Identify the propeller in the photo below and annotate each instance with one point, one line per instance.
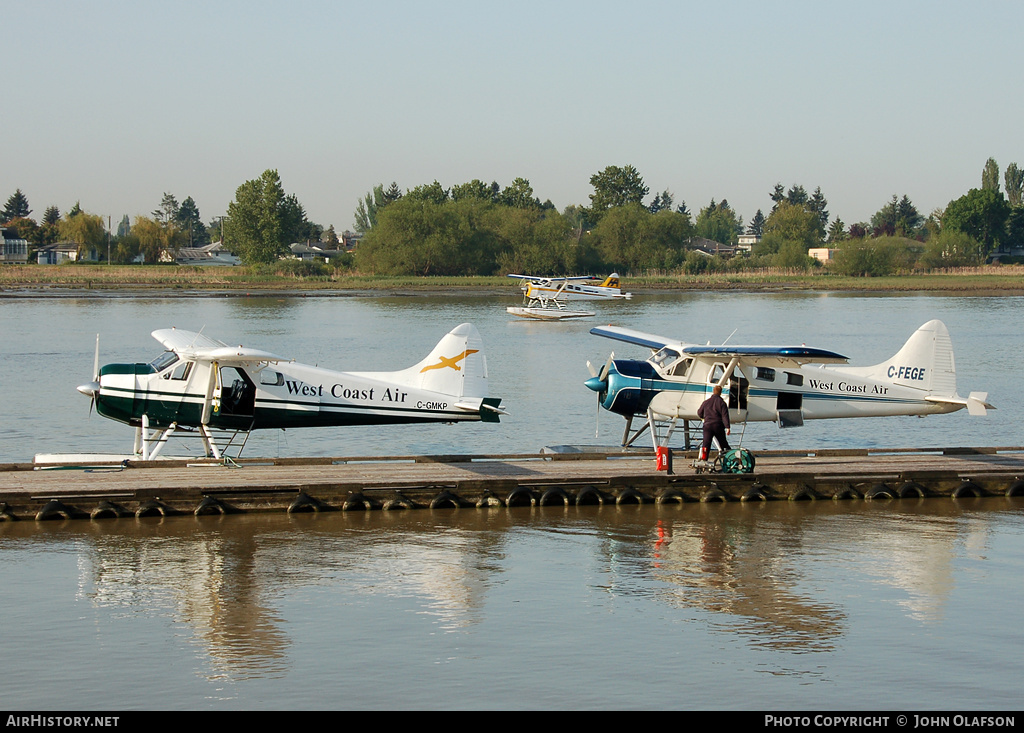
(92, 389)
(599, 383)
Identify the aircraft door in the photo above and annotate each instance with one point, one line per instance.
(739, 387)
(234, 399)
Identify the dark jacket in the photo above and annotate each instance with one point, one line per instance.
(714, 411)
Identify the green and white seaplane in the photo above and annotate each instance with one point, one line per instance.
(205, 387)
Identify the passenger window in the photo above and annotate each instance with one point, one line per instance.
(274, 379)
(716, 374)
(182, 371)
(682, 367)
(796, 380)
(765, 374)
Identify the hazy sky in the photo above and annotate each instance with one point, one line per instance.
(114, 103)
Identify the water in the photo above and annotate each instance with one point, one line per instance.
(900, 605)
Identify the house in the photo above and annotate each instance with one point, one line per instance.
(822, 254)
(746, 242)
(64, 252)
(13, 249)
(711, 247)
(208, 255)
(314, 251)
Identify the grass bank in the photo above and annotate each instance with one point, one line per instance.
(34, 279)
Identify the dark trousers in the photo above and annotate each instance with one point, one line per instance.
(716, 431)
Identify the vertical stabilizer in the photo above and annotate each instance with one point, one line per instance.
(925, 362)
(456, 366)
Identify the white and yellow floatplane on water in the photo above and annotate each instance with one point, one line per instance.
(541, 307)
(581, 287)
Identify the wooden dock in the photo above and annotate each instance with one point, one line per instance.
(169, 487)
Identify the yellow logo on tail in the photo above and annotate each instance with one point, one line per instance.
(450, 361)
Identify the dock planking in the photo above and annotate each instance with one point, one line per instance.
(175, 487)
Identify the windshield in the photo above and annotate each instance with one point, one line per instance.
(163, 361)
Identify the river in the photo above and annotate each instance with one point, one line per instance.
(899, 605)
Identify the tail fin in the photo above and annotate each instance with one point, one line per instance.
(456, 367)
(925, 362)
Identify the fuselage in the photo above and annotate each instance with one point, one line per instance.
(173, 390)
(674, 386)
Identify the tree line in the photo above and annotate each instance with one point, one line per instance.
(479, 228)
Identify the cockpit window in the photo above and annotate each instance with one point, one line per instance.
(163, 361)
(665, 356)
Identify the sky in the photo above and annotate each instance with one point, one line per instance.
(113, 104)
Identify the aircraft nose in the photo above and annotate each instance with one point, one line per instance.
(90, 389)
(596, 384)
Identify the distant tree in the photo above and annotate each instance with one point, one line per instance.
(952, 248)
(1015, 228)
(990, 176)
(124, 228)
(519, 195)
(187, 220)
(330, 237)
(819, 205)
(858, 230)
(167, 212)
(26, 228)
(433, 193)
(85, 230)
(615, 186)
(391, 195)
(630, 238)
(297, 226)
(718, 222)
(1014, 179)
(756, 226)
(797, 196)
(662, 201)
(150, 238)
(375, 200)
(981, 214)
(873, 257)
(789, 223)
(837, 231)
(256, 219)
(899, 217)
(51, 215)
(16, 207)
(476, 189)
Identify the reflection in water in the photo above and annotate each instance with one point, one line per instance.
(776, 576)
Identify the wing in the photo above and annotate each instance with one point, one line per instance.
(538, 278)
(197, 346)
(634, 337)
(774, 355)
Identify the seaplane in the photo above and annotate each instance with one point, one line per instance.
(783, 384)
(205, 387)
(578, 287)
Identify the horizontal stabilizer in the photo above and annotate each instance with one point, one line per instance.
(977, 403)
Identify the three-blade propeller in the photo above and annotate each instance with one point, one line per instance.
(92, 389)
(599, 383)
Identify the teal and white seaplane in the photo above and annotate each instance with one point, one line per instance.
(782, 384)
(202, 386)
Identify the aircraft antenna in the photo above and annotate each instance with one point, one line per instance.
(730, 336)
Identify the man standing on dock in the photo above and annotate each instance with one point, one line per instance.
(715, 414)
